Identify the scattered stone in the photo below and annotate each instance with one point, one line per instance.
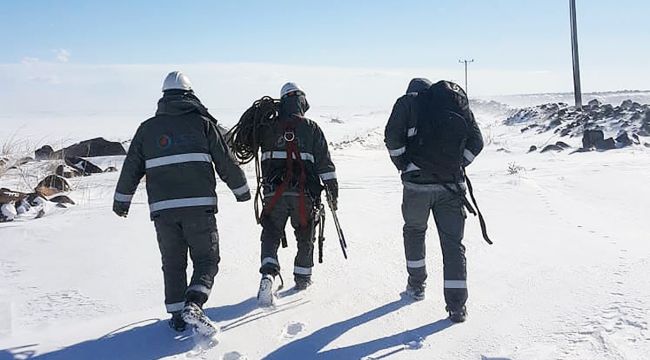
(532, 148)
(607, 144)
(562, 144)
(627, 104)
(84, 166)
(44, 153)
(91, 148)
(591, 137)
(52, 184)
(594, 103)
(554, 123)
(551, 147)
(62, 199)
(580, 150)
(623, 140)
(8, 196)
(35, 199)
(67, 171)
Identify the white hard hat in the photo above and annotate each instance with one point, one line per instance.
(177, 80)
(289, 88)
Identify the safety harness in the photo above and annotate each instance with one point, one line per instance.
(293, 154)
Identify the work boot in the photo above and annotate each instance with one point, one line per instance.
(176, 322)
(415, 292)
(302, 282)
(193, 315)
(265, 296)
(457, 315)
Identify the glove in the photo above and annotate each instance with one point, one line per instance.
(333, 187)
(243, 197)
(121, 209)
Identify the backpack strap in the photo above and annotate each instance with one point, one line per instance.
(480, 216)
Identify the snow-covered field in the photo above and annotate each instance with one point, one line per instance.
(565, 279)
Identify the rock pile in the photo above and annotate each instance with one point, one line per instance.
(625, 123)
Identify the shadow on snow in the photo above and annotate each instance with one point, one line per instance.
(309, 346)
(146, 339)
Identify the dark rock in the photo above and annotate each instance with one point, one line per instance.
(627, 105)
(562, 144)
(594, 103)
(67, 171)
(566, 131)
(84, 166)
(62, 199)
(581, 150)
(532, 148)
(646, 145)
(591, 137)
(35, 199)
(607, 144)
(92, 147)
(3, 161)
(51, 185)
(623, 140)
(111, 169)
(503, 150)
(636, 139)
(554, 123)
(551, 147)
(9, 196)
(44, 153)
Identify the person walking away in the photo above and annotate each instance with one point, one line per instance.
(431, 137)
(178, 150)
(295, 160)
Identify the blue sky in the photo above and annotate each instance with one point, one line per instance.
(235, 51)
(510, 34)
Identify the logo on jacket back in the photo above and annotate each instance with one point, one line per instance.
(165, 141)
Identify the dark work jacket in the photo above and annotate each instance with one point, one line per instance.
(178, 150)
(402, 126)
(311, 143)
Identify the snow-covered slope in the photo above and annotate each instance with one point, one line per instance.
(566, 278)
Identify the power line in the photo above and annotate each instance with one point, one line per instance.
(466, 62)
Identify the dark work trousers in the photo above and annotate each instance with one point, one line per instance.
(449, 214)
(179, 231)
(273, 224)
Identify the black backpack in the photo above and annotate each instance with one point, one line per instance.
(441, 131)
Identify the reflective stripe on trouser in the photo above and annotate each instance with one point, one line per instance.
(273, 224)
(195, 231)
(449, 215)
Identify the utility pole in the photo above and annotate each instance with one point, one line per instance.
(466, 62)
(574, 49)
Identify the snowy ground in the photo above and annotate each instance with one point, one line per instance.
(566, 278)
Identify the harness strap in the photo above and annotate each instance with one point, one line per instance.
(480, 216)
(292, 151)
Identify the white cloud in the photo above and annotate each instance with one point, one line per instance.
(62, 55)
(28, 60)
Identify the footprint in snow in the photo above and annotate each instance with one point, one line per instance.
(233, 355)
(292, 329)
